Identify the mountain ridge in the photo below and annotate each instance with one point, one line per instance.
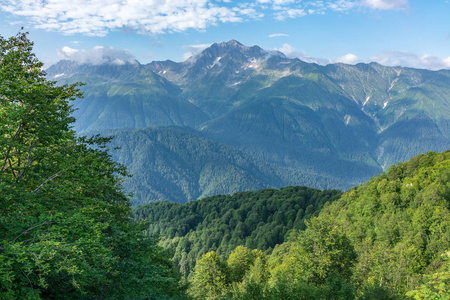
(335, 120)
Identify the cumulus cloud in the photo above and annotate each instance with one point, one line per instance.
(97, 56)
(102, 16)
(342, 5)
(194, 50)
(291, 52)
(408, 59)
(387, 58)
(277, 35)
(98, 18)
(386, 4)
(289, 13)
(277, 2)
(350, 59)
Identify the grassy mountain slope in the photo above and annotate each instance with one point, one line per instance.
(125, 96)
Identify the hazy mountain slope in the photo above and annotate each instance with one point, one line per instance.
(179, 164)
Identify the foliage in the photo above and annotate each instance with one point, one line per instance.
(436, 285)
(257, 220)
(323, 250)
(210, 277)
(398, 222)
(382, 240)
(65, 230)
(239, 262)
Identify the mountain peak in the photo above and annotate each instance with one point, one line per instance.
(233, 48)
(233, 43)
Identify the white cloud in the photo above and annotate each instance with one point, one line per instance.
(291, 52)
(97, 56)
(99, 17)
(289, 13)
(145, 16)
(386, 4)
(341, 5)
(387, 58)
(277, 2)
(194, 50)
(277, 35)
(350, 59)
(408, 59)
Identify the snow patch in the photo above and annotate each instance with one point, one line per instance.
(347, 119)
(59, 75)
(236, 83)
(216, 62)
(395, 80)
(385, 104)
(367, 100)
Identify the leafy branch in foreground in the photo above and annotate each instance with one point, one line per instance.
(65, 230)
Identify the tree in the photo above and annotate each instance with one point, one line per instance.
(239, 262)
(65, 230)
(324, 250)
(210, 277)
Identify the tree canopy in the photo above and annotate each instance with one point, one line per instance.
(65, 230)
(258, 220)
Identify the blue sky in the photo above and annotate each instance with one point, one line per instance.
(392, 32)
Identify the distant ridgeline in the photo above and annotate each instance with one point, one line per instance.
(385, 239)
(257, 119)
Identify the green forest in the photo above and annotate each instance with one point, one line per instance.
(68, 231)
(257, 220)
(386, 239)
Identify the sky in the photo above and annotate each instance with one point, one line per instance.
(408, 33)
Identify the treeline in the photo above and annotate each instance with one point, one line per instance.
(258, 220)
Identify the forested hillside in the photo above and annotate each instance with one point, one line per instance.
(386, 239)
(399, 222)
(258, 220)
(181, 164)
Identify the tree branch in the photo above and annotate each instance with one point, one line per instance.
(31, 284)
(58, 174)
(29, 229)
(9, 149)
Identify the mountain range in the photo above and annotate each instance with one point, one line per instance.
(236, 118)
